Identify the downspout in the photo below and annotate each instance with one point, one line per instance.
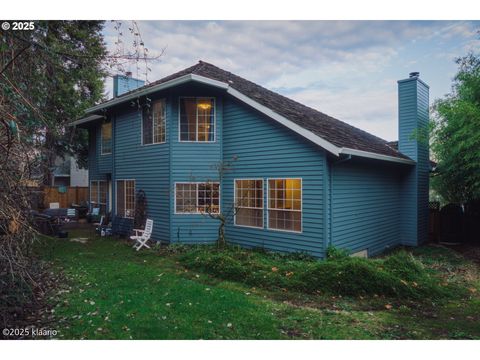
(114, 135)
(330, 200)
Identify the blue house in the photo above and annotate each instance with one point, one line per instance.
(292, 179)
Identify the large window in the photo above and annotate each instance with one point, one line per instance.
(106, 138)
(249, 203)
(285, 204)
(98, 194)
(126, 198)
(153, 123)
(197, 119)
(197, 198)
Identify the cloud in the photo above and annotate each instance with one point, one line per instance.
(347, 69)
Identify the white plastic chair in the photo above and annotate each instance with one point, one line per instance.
(98, 225)
(142, 236)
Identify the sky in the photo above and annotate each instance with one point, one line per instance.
(346, 69)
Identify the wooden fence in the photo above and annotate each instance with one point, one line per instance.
(70, 195)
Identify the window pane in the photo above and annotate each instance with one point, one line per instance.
(129, 198)
(186, 198)
(106, 138)
(188, 119)
(159, 121)
(94, 192)
(102, 192)
(249, 217)
(209, 198)
(121, 198)
(285, 204)
(147, 125)
(206, 123)
(249, 203)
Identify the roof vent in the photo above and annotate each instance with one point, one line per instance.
(414, 74)
(128, 74)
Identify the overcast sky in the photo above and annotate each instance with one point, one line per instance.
(346, 69)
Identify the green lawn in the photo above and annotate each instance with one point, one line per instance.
(111, 291)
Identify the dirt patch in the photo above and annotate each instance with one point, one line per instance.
(469, 251)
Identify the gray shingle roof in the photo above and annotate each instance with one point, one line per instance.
(332, 130)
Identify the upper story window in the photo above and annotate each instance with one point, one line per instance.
(154, 123)
(249, 202)
(197, 119)
(106, 138)
(285, 204)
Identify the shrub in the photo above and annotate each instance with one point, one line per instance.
(336, 253)
(398, 275)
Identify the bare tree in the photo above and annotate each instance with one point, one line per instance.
(222, 214)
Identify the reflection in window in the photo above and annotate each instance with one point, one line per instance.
(106, 138)
(197, 119)
(125, 198)
(249, 203)
(285, 204)
(195, 198)
(153, 123)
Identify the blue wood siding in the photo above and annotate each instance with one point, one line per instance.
(413, 119)
(148, 165)
(356, 204)
(193, 162)
(266, 149)
(95, 171)
(99, 165)
(366, 210)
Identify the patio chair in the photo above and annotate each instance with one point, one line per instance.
(71, 214)
(141, 237)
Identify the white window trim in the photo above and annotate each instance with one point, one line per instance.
(125, 196)
(301, 205)
(244, 207)
(101, 141)
(196, 204)
(97, 202)
(196, 126)
(165, 117)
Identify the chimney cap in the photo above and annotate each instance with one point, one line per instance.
(414, 74)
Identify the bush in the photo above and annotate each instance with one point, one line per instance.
(398, 275)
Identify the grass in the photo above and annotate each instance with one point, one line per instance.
(113, 292)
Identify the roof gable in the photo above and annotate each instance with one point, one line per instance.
(330, 133)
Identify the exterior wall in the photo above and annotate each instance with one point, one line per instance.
(265, 149)
(193, 162)
(366, 212)
(98, 165)
(413, 124)
(355, 204)
(148, 165)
